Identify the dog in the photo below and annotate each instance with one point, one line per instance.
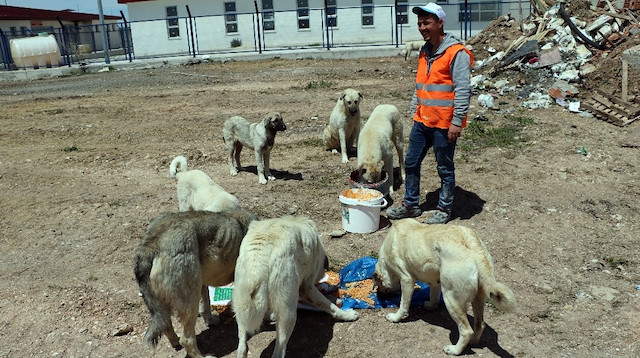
(382, 131)
(410, 47)
(344, 124)
(451, 259)
(197, 191)
(280, 260)
(238, 132)
(180, 255)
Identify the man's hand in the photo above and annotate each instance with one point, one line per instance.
(454, 132)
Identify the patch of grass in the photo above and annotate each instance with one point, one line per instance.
(480, 135)
(313, 142)
(115, 203)
(236, 43)
(374, 254)
(73, 148)
(318, 84)
(402, 96)
(327, 181)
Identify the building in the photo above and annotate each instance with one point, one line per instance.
(81, 28)
(161, 27)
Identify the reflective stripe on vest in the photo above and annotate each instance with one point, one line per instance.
(434, 88)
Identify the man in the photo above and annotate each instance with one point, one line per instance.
(439, 107)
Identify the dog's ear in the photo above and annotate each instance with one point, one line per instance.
(343, 96)
(360, 95)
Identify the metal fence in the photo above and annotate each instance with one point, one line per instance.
(205, 33)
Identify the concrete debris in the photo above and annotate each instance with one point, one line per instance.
(563, 46)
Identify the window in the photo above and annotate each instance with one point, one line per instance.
(488, 11)
(268, 22)
(401, 12)
(332, 13)
(303, 14)
(173, 27)
(367, 12)
(230, 17)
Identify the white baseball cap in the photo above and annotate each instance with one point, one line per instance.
(431, 8)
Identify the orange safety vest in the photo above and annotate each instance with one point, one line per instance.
(434, 88)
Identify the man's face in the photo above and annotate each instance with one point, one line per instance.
(429, 26)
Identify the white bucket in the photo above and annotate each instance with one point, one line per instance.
(382, 186)
(361, 209)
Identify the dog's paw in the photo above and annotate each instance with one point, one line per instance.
(349, 315)
(271, 177)
(395, 317)
(234, 173)
(345, 160)
(452, 350)
(334, 151)
(262, 180)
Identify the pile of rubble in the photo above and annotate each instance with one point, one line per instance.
(580, 54)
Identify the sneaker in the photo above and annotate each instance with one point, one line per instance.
(438, 217)
(402, 211)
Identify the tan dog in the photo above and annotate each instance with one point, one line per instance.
(280, 260)
(411, 46)
(197, 191)
(180, 255)
(344, 124)
(449, 258)
(381, 133)
(238, 132)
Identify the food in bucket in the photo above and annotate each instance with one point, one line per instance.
(361, 194)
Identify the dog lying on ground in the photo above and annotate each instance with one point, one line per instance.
(280, 260)
(410, 47)
(382, 131)
(180, 255)
(238, 132)
(344, 124)
(197, 191)
(449, 258)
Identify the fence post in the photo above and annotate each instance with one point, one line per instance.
(65, 44)
(126, 36)
(326, 24)
(5, 51)
(255, 4)
(193, 43)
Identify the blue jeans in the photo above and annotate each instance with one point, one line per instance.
(421, 139)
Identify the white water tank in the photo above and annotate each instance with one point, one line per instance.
(35, 52)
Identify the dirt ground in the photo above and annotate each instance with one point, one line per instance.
(84, 168)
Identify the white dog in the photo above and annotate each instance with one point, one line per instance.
(238, 132)
(382, 131)
(280, 259)
(344, 124)
(451, 259)
(197, 191)
(410, 47)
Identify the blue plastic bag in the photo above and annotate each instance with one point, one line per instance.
(362, 269)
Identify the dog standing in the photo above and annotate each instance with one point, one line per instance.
(344, 124)
(180, 255)
(279, 260)
(451, 259)
(197, 191)
(410, 47)
(382, 131)
(238, 132)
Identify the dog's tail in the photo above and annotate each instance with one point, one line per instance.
(173, 168)
(501, 296)
(160, 314)
(250, 299)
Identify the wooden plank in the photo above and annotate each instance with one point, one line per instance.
(625, 79)
(632, 109)
(607, 103)
(600, 113)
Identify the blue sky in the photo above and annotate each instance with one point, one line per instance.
(109, 7)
